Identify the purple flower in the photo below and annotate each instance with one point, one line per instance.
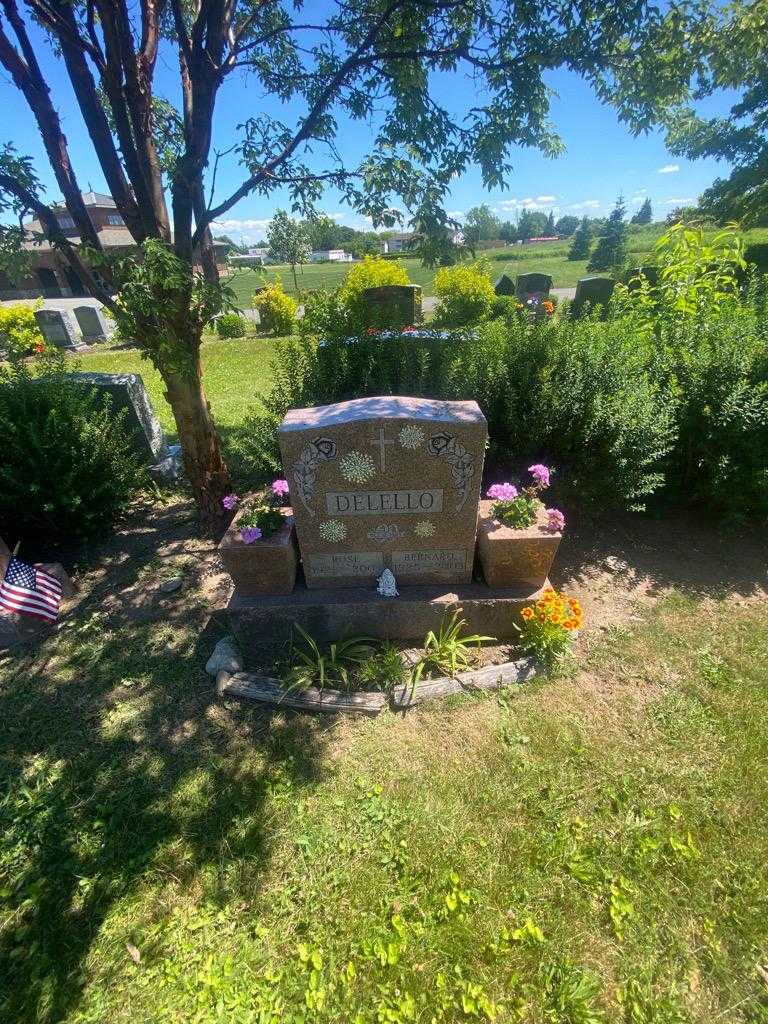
(555, 520)
(502, 492)
(540, 474)
(229, 501)
(249, 534)
(280, 488)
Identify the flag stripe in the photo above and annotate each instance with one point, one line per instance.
(13, 588)
(14, 605)
(21, 596)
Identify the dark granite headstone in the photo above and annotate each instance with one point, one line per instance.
(92, 323)
(505, 285)
(534, 284)
(393, 305)
(595, 291)
(58, 328)
(127, 391)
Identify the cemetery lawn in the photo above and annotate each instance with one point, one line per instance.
(236, 373)
(585, 849)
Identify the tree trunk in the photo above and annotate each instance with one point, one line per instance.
(207, 472)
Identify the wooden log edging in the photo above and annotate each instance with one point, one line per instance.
(266, 690)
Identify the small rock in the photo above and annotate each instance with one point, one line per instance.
(172, 585)
(615, 564)
(226, 657)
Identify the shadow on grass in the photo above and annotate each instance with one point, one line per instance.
(121, 776)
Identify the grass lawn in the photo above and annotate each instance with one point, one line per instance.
(547, 258)
(236, 373)
(586, 849)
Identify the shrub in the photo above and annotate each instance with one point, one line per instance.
(68, 467)
(372, 272)
(230, 325)
(277, 311)
(19, 333)
(465, 294)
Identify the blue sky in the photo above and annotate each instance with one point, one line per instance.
(601, 160)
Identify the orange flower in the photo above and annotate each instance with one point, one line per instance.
(569, 624)
(527, 613)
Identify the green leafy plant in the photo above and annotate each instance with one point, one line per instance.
(230, 325)
(277, 310)
(449, 650)
(19, 333)
(331, 665)
(267, 518)
(372, 272)
(384, 670)
(68, 466)
(465, 294)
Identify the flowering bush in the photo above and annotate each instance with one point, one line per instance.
(465, 295)
(19, 333)
(548, 625)
(520, 508)
(277, 311)
(262, 519)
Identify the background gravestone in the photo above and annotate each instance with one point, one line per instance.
(393, 305)
(92, 323)
(385, 483)
(533, 284)
(127, 391)
(58, 328)
(595, 290)
(505, 285)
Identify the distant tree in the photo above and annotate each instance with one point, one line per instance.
(687, 215)
(582, 240)
(532, 223)
(731, 43)
(567, 225)
(644, 215)
(480, 224)
(508, 231)
(550, 228)
(611, 249)
(288, 242)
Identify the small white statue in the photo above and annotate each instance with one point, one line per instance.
(387, 586)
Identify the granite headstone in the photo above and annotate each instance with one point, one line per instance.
(385, 483)
(595, 291)
(93, 324)
(505, 285)
(127, 391)
(58, 328)
(534, 284)
(393, 305)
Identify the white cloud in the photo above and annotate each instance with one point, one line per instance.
(679, 202)
(669, 169)
(585, 204)
(236, 225)
(545, 199)
(458, 214)
(529, 203)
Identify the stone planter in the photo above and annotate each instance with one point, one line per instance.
(513, 557)
(268, 565)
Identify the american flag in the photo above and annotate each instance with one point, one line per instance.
(30, 591)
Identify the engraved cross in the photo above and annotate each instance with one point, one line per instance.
(381, 442)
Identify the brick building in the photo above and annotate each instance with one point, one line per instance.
(51, 276)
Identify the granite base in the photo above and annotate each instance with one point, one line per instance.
(333, 614)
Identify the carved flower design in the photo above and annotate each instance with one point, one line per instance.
(333, 531)
(411, 436)
(424, 528)
(357, 467)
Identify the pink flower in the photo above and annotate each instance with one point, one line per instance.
(556, 520)
(540, 474)
(502, 492)
(229, 501)
(280, 488)
(249, 534)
